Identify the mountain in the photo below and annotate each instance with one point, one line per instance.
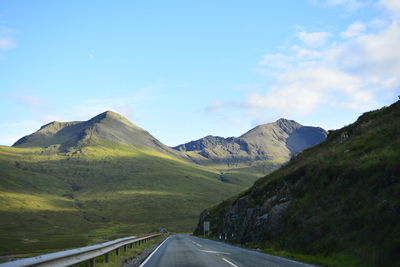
(336, 203)
(275, 142)
(108, 126)
(75, 183)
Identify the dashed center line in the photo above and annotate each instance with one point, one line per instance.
(234, 265)
(197, 244)
(215, 252)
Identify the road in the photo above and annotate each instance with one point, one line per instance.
(185, 250)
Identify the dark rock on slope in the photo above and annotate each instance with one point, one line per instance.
(339, 197)
(273, 141)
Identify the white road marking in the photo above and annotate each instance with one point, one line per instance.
(234, 265)
(215, 252)
(148, 258)
(197, 244)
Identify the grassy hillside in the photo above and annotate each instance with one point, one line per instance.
(337, 200)
(59, 200)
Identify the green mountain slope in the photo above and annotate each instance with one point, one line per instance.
(60, 200)
(338, 199)
(75, 183)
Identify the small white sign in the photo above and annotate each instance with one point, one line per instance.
(206, 226)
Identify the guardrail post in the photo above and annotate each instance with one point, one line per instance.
(117, 251)
(107, 257)
(124, 248)
(91, 262)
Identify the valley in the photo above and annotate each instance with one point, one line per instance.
(77, 183)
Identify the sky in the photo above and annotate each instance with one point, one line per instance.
(186, 69)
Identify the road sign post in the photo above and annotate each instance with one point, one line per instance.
(206, 227)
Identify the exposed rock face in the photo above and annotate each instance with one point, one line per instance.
(273, 141)
(108, 126)
(244, 221)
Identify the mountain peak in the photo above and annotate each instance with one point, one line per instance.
(108, 126)
(270, 141)
(287, 125)
(112, 116)
(109, 113)
(283, 120)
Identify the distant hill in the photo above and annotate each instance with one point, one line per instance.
(108, 126)
(277, 141)
(337, 201)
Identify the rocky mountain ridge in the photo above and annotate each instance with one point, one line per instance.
(277, 141)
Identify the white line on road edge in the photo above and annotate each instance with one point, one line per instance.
(148, 258)
(199, 245)
(234, 265)
(215, 252)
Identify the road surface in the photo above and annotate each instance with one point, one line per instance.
(185, 250)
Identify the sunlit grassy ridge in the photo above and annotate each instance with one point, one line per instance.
(59, 200)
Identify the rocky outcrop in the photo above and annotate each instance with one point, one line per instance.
(243, 220)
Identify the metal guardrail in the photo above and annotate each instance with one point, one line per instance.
(73, 256)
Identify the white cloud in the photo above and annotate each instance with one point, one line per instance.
(302, 91)
(356, 73)
(353, 30)
(350, 74)
(370, 55)
(275, 60)
(391, 5)
(314, 39)
(33, 101)
(349, 5)
(6, 43)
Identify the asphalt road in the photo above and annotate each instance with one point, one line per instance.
(185, 250)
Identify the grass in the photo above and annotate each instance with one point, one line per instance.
(117, 260)
(335, 260)
(105, 191)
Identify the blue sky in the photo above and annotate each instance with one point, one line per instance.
(186, 69)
